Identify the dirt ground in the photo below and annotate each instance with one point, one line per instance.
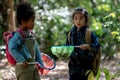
(61, 70)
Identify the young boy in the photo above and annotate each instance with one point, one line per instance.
(80, 62)
(23, 46)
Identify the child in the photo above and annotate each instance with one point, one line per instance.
(80, 63)
(23, 46)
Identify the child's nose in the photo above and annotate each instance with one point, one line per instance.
(79, 20)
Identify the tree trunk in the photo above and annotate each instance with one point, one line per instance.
(11, 15)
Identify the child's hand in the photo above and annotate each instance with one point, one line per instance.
(24, 64)
(85, 46)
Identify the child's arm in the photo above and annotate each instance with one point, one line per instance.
(93, 45)
(38, 54)
(94, 41)
(85, 46)
(14, 45)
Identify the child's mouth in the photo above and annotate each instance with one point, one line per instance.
(78, 24)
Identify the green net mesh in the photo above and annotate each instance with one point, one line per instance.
(62, 51)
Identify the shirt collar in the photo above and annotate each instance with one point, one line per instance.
(83, 29)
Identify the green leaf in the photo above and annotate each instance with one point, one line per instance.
(107, 74)
(98, 75)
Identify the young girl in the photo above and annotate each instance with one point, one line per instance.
(23, 46)
(80, 63)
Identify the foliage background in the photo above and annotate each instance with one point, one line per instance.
(53, 21)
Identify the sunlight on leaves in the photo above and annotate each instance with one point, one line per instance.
(113, 15)
(115, 33)
(105, 7)
(97, 26)
(118, 38)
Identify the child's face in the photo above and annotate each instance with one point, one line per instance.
(79, 20)
(29, 24)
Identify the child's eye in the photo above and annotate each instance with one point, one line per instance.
(76, 18)
(80, 18)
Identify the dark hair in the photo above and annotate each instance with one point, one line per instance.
(81, 10)
(24, 12)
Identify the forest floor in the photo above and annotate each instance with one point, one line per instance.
(61, 70)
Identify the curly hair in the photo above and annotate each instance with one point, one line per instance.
(24, 12)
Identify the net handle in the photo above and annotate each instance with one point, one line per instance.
(30, 63)
(27, 63)
(77, 46)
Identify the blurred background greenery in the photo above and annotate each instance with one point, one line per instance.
(53, 21)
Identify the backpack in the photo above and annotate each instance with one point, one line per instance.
(7, 36)
(96, 56)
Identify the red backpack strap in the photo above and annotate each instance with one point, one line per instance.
(21, 33)
(7, 35)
